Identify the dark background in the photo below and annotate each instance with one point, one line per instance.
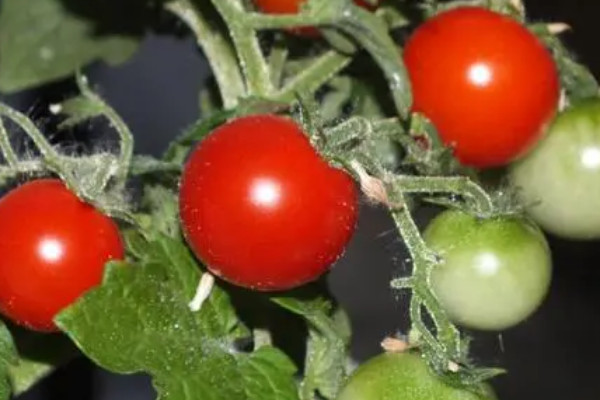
(554, 355)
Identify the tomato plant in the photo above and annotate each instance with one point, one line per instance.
(261, 208)
(55, 247)
(494, 272)
(261, 190)
(402, 376)
(559, 181)
(490, 99)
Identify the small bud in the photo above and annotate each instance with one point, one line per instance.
(55, 108)
(394, 345)
(556, 28)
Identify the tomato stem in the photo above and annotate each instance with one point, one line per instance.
(125, 135)
(457, 185)
(6, 147)
(218, 50)
(253, 63)
(49, 154)
(314, 76)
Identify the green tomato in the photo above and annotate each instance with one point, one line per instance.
(494, 272)
(402, 376)
(559, 181)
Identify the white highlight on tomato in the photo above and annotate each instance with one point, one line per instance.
(590, 157)
(50, 249)
(265, 192)
(480, 74)
(488, 264)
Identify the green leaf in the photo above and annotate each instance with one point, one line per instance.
(327, 352)
(39, 355)
(44, 40)
(77, 110)
(162, 208)
(576, 79)
(268, 374)
(139, 320)
(8, 357)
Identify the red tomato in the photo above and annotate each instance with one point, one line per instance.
(261, 208)
(485, 81)
(292, 7)
(54, 247)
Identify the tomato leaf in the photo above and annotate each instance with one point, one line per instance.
(162, 208)
(8, 357)
(77, 110)
(327, 346)
(44, 40)
(139, 320)
(267, 374)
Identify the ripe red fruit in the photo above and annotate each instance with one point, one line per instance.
(293, 7)
(54, 247)
(486, 82)
(261, 208)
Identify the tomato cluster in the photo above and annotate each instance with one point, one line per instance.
(261, 208)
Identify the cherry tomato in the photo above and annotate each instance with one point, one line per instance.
(293, 7)
(261, 208)
(402, 376)
(559, 180)
(487, 84)
(54, 247)
(494, 272)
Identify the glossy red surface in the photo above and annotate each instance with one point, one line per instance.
(54, 247)
(261, 208)
(485, 81)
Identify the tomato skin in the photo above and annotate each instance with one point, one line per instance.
(293, 7)
(401, 376)
(489, 96)
(494, 272)
(559, 180)
(261, 208)
(54, 248)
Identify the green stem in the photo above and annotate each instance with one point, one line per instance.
(277, 60)
(125, 135)
(423, 261)
(217, 49)
(303, 19)
(49, 154)
(6, 147)
(314, 76)
(369, 31)
(251, 58)
(458, 185)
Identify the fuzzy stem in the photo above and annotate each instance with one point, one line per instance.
(125, 135)
(6, 148)
(458, 185)
(49, 154)
(314, 76)
(423, 261)
(217, 49)
(251, 59)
